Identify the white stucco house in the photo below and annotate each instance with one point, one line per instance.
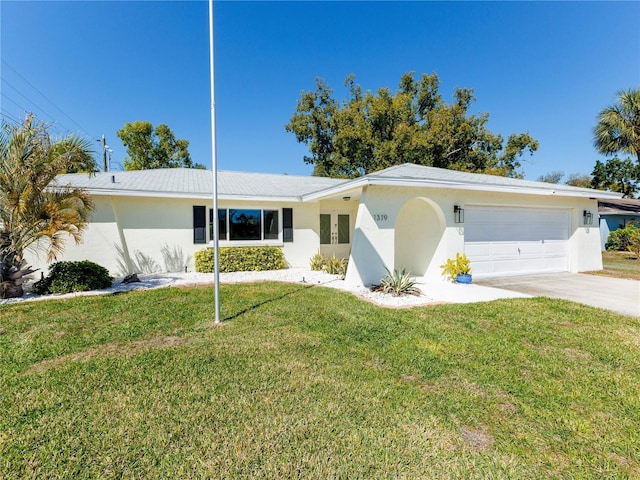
(407, 216)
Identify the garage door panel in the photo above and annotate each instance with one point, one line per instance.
(531, 248)
(555, 264)
(503, 266)
(478, 250)
(499, 249)
(510, 240)
(555, 248)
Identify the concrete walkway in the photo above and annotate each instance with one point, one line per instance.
(615, 294)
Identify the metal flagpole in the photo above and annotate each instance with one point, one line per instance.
(214, 168)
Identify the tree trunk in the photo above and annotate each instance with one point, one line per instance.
(11, 275)
(11, 290)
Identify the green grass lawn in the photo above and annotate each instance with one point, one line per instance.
(620, 265)
(310, 382)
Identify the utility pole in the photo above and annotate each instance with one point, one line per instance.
(104, 152)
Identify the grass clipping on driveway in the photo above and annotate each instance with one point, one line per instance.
(309, 382)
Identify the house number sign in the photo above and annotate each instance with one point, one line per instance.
(380, 218)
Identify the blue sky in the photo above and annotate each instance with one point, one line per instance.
(90, 66)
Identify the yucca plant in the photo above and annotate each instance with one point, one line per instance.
(336, 266)
(317, 262)
(397, 283)
(332, 265)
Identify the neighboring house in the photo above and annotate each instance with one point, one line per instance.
(615, 214)
(407, 216)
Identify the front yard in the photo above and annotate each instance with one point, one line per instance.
(309, 382)
(620, 265)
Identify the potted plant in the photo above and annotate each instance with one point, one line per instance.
(458, 269)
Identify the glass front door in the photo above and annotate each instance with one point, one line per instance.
(335, 233)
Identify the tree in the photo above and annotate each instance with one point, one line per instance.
(574, 179)
(579, 180)
(32, 213)
(618, 128)
(617, 176)
(148, 148)
(551, 177)
(369, 132)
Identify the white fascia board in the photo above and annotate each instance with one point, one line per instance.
(343, 187)
(409, 182)
(587, 193)
(195, 196)
(619, 213)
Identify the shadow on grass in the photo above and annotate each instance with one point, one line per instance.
(266, 301)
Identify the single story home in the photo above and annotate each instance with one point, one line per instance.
(406, 216)
(615, 214)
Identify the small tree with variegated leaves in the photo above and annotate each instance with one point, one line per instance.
(34, 212)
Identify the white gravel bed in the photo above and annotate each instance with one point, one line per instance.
(432, 292)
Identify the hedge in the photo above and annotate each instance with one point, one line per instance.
(241, 259)
(67, 277)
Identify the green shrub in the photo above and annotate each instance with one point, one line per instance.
(622, 238)
(634, 240)
(67, 277)
(397, 283)
(241, 259)
(332, 265)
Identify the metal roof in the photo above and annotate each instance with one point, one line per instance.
(185, 182)
(195, 183)
(412, 175)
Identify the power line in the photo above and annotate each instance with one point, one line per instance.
(47, 99)
(33, 103)
(10, 116)
(13, 101)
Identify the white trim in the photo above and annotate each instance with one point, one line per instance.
(561, 191)
(194, 196)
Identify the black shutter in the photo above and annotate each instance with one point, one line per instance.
(199, 224)
(287, 224)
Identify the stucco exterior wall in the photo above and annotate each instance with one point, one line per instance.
(393, 227)
(376, 241)
(145, 234)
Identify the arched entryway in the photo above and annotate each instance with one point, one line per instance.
(419, 228)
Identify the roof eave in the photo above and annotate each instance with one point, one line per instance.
(409, 182)
(195, 196)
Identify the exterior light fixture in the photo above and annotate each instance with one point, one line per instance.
(346, 199)
(588, 217)
(458, 214)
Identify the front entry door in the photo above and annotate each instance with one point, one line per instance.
(335, 233)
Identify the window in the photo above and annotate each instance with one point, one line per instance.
(199, 224)
(270, 224)
(222, 223)
(343, 228)
(325, 229)
(245, 224)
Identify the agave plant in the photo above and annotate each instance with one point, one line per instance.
(397, 283)
(32, 214)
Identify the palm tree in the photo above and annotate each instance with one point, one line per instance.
(618, 129)
(34, 212)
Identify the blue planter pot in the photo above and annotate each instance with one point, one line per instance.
(463, 278)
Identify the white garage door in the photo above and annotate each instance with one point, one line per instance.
(509, 240)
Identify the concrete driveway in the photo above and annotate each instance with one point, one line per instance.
(615, 294)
